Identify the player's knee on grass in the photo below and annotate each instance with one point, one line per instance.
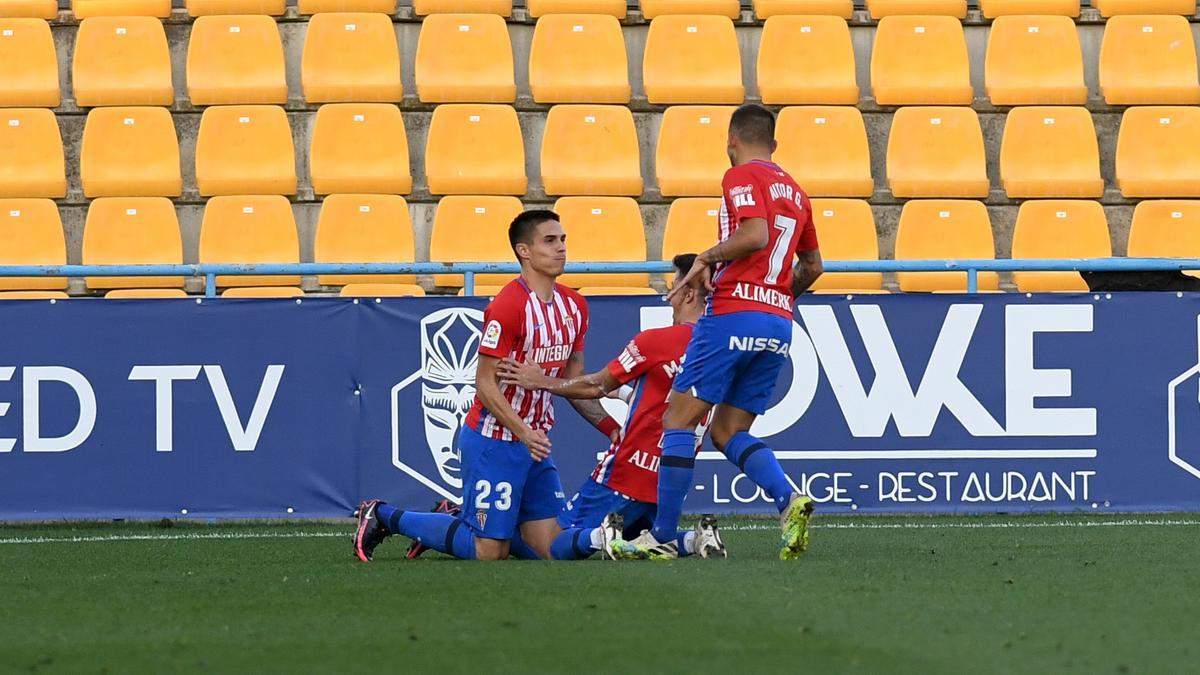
(491, 549)
(540, 535)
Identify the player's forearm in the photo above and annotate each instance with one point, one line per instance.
(590, 410)
(747, 239)
(489, 394)
(807, 272)
(582, 387)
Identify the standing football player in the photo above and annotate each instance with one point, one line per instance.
(741, 343)
(510, 482)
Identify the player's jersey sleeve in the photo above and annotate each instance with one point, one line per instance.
(639, 356)
(808, 236)
(503, 323)
(743, 195)
(581, 334)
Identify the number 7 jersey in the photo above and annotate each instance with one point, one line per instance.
(762, 281)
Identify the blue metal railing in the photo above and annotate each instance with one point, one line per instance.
(469, 270)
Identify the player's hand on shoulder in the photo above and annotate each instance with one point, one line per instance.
(522, 374)
(538, 443)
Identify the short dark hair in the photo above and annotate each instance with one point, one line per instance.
(683, 262)
(522, 227)
(753, 124)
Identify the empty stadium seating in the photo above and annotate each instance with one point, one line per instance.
(590, 150)
(262, 292)
(613, 8)
(122, 61)
(318, 6)
(603, 229)
(358, 290)
(31, 154)
(1050, 152)
(654, 8)
(578, 58)
(1058, 228)
(472, 228)
(132, 231)
(616, 290)
(28, 64)
(1158, 152)
(823, 44)
(250, 229)
(130, 152)
(825, 149)
(768, 8)
(944, 228)
(235, 59)
(465, 58)
(217, 7)
(359, 228)
(498, 7)
(359, 147)
(883, 8)
(1116, 7)
(690, 158)
(1168, 228)
(144, 293)
(846, 231)
(936, 152)
(351, 57)
(996, 8)
(691, 227)
(245, 150)
(29, 9)
(692, 59)
(920, 60)
(475, 149)
(1034, 60)
(86, 9)
(1148, 59)
(31, 233)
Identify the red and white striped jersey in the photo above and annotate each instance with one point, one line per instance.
(518, 325)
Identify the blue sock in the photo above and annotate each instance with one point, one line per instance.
(758, 462)
(674, 480)
(439, 531)
(680, 543)
(573, 544)
(519, 549)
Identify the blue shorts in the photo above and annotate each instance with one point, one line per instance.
(735, 359)
(503, 486)
(594, 501)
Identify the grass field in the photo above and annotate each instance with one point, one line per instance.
(874, 595)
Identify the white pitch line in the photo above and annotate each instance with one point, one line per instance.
(1066, 453)
(827, 525)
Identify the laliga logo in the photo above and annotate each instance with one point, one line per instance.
(1172, 431)
(449, 354)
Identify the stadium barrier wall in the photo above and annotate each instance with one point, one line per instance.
(299, 408)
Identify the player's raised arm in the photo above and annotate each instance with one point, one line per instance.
(487, 389)
(528, 376)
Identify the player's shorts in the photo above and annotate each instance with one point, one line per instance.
(735, 359)
(594, 501)
(503, 486)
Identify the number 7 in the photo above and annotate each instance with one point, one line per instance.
(787, 227)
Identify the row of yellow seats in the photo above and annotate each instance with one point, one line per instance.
(48, 9)
(581, 58)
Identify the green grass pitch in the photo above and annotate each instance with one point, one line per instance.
(1035, 594)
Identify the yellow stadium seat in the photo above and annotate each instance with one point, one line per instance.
(933, 229)
(262, 292)
(1050, 152)
(591, 150)
(994, 8)
(490, 291)
(498, 7)
(1058, 228)
(247, 230)
(767, 8)
(382, 291)
(692, 59)
(31, 233)
(846, 231)
(28, 64)
(465, 58)
(1166, 228)
(473, 229)
(578, 58)
(359, 147)
(654, 8)
(603, 229)
(31, 154)
(33, 295)
(245, 149)
(144, 293)
(936, 152)
(475, 149)
(29, 9)
(1158, 152)
(1115, 7)
(691, 226)
(820, 42)
(825, 149)
(1148, 59)
(122, 61)
(883, 8)
(690, 159)
(920, 60)
(216, 7)
(616, 290)
(1034, 60)
(132, 231)
(235, 59)
(360, 228)
(613, 8)
(130, 152)
(86, 9)
(374, 6)
(351, 57)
